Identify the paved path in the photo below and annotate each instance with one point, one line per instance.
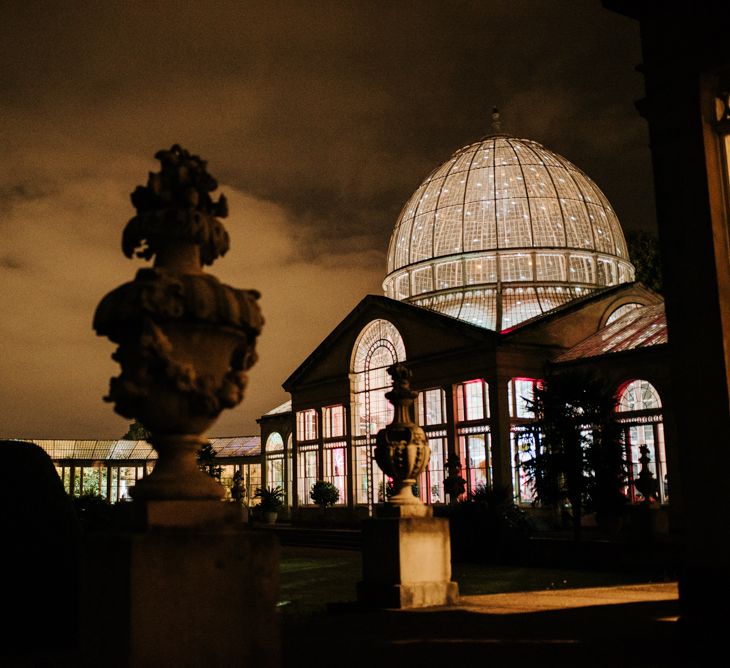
(628, 625)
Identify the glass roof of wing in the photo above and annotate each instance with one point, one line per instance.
(639, 328)
(116, 451)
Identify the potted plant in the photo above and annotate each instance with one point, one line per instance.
(272, 501)
(324, 494)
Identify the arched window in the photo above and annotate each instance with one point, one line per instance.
(275, 466)
(379, 346)
(274, 442)
(640, 412)
(622, 311)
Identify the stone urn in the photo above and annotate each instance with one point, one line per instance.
(401, 449)
(185, 340)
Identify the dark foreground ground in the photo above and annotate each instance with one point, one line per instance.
(515, 615)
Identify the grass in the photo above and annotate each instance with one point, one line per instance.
(312, 578)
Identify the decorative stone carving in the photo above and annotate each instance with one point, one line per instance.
(646, 484)
(401, 449)
(185, 339)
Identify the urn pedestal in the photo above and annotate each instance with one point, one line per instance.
(406, 563)
(184, 598)
(187, 584)
(406, 552)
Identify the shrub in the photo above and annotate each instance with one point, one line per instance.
(324, 494)
(94, 511)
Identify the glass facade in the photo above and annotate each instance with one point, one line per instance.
(504, 231)
(111, 468)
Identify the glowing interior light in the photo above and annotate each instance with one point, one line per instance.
(545, 203)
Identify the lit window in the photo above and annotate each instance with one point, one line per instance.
(431, 407)
(333, 418)
(521, 396)
(307, 425)
(472, 401)
(640, 413)
(274, 442)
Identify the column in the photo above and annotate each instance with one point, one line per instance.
(451, 436)
(501, 437)
(294, 462)
(320, 445)
(350, 457)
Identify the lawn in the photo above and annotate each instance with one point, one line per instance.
(312, 578)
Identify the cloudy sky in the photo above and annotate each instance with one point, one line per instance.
(319, 120)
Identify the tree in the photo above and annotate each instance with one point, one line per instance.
(646, 257)
(206, 461)
(578, 447)
(136, 432)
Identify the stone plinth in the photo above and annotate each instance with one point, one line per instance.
(406, 563)
(184, 598)
(190, 513)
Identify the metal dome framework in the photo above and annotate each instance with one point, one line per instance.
(504, 231)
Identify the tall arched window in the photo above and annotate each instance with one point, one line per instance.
(379, 346)
(275, 466)
(640, 412)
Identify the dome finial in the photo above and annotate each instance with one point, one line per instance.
(496, 122)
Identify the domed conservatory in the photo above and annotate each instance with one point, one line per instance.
(505, 263)
(504, 231)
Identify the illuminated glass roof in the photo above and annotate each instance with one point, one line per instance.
(282, 408)
(638, 328)
(122, 450)
(503, 231)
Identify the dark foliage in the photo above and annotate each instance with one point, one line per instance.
(40, 556)
(272, 499)
(578, 453)
(206, 461)
(645, 256)
(324, 494)
(136, 432)
(487, 526)
(94, 512)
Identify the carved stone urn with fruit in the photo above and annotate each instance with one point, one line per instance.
(185, 340)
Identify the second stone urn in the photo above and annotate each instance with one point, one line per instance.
(185, 340)
(402, 450)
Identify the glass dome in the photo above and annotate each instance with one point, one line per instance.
(503, 231)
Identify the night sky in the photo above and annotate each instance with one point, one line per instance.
(319, 120)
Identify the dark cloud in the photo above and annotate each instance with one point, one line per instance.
(320, 117)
